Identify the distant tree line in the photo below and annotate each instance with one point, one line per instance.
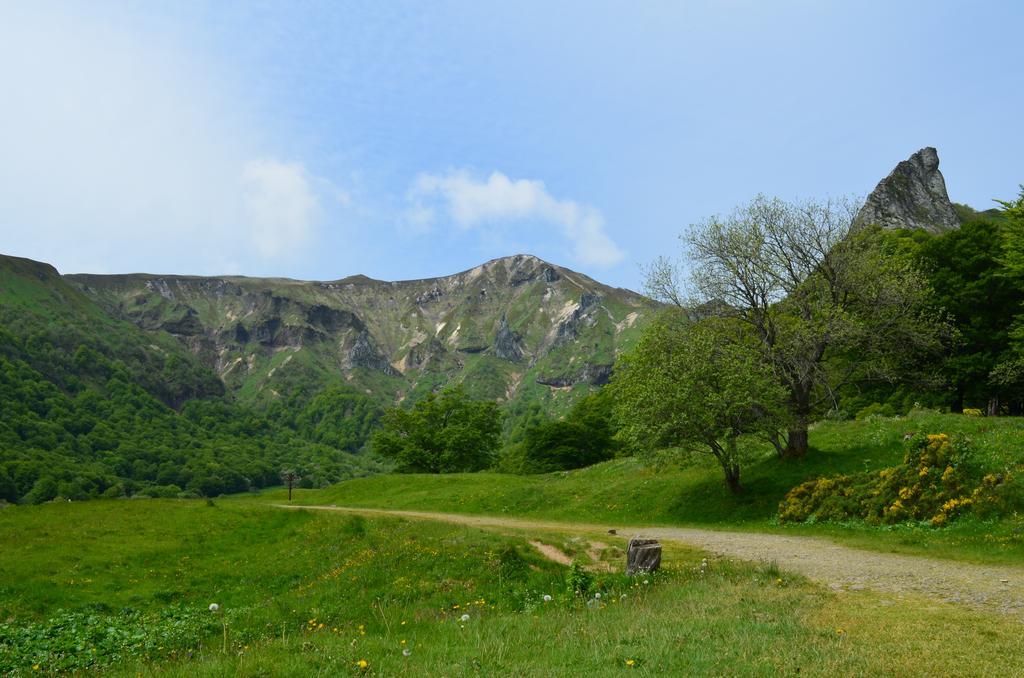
(96, 432)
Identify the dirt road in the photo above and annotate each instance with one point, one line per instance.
(994, 588)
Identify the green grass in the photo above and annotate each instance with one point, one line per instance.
(313, 593)
(625, 492)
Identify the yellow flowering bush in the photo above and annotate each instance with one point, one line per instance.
(973, 412)
(935, 483)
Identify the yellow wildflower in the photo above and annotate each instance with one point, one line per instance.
(630, 662)
(362, 664)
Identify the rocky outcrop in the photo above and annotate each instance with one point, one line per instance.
(187, 325)
(595, 375)
(507, 343)
(507, 322)
(329, 319)
(569, 329)
(913, 196)
(424, 355)
(363, 353)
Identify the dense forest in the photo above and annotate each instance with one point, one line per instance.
(977, 286)
(93, 407)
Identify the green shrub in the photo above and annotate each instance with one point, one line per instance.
(876, 409)
(578, 580)
(76, 642)
(937, 482)
(161, 491)
(586, 436)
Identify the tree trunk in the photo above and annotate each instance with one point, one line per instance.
(796, 439)
(780, 448)
(732, 479)
(728, 460)
(993, 406)
(796, 443)
(957, 406)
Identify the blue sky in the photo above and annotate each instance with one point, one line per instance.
(404, 140)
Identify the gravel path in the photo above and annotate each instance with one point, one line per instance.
(987, 587)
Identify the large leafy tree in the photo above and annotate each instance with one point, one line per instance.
(966, 271)
(698, 388)
(1013, 235)
(825, 304)
(445, 432)
(1008, 375)
(584, 437)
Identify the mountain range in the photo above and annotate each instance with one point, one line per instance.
(512, 329)
(272, 371)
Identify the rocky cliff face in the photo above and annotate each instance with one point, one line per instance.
(514, 328)
(913, 196)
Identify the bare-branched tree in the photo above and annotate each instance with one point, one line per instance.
(825, 302)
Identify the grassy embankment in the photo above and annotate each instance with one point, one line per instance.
(624, 492)
(307, 593)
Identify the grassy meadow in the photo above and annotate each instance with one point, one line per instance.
(626, 492)
(125, 586)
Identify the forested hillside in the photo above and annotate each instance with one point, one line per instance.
(166, 386)
(89, 408)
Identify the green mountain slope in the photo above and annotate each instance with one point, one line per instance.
(90, 406)
(65, 336)
(516, 329)
(113, 385)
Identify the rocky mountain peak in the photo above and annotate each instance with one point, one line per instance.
(913, 196)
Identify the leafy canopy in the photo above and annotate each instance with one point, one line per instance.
(584, 437)
(697, 387)
(445, 432)
(824, 302)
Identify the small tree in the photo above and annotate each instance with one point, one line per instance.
(290, 478)
(584, 437)
(697, 387)
(824, 303)
(445, 432)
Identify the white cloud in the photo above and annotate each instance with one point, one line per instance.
(472, 203)
(123, 151)
(281, 205)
